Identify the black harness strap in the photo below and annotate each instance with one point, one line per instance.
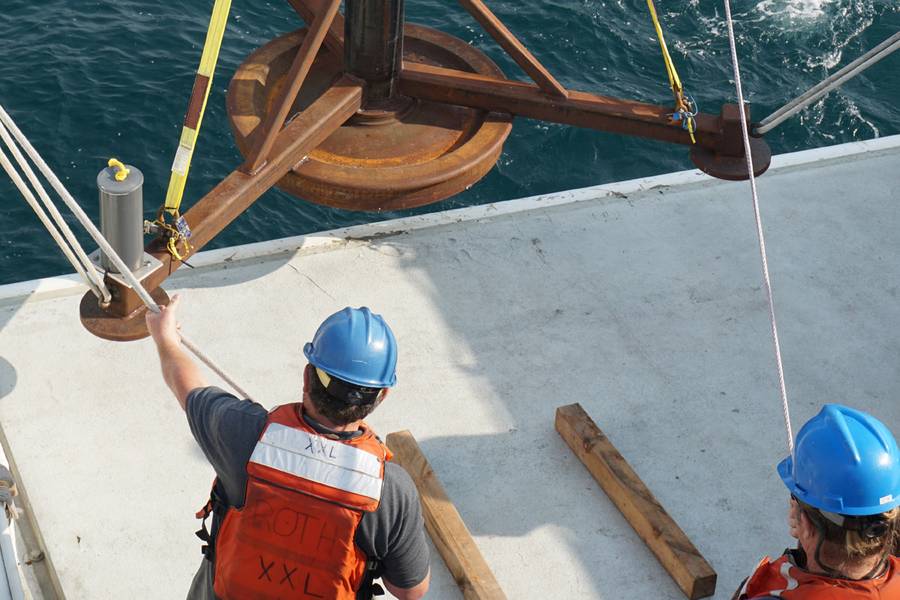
(369, 589)
(213, 506)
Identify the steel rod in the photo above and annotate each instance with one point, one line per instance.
(516, 50)
(830, 83)
(307, 53)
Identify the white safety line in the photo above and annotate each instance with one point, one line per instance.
(759, 230)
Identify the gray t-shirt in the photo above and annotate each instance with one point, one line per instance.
(227, 430)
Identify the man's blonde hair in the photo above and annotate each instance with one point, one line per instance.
(847, 547)
(857, 547)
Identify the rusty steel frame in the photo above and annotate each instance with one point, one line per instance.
(234, 194)
(514, 48)
(307, 53)
(279, 147)
(334, 38)
(580, 109)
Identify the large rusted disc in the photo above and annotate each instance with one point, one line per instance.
(118, 329)
(733, 168)
(417, 154)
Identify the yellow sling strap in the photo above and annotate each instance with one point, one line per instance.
(684, 108)
(178, 232)
(199, 95)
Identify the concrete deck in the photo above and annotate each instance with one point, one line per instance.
(640, 300)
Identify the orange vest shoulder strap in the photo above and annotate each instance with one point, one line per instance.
(289, 416)
(782, 579)
(292, 455)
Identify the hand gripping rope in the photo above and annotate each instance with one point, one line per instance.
(177, 231)
(76, 254)
(759, 231)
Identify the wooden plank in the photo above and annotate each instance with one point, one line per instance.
(446, 528)
(663, 536)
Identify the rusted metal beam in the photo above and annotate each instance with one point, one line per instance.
(271, 127)
(234, 194)
(373, 48)
(526, 100)
(308, 9)
(516, 50)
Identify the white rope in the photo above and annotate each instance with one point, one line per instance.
(48, 224)
(105, 246)
(836, 80)
(66, 241)
(759, 230)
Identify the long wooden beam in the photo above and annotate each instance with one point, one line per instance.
(334, 39)
(660, 532)
(516, 50)
(446, 528)
(581, 109)
(234, 194)
(303, 61)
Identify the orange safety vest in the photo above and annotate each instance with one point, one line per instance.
(306, 494)
(781, 578)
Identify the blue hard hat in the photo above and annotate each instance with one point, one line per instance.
(357, 346)
(845, 461)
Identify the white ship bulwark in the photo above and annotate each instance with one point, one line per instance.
(640, 300)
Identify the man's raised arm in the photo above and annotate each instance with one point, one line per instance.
(179, 371)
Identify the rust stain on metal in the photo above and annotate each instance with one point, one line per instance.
(277, 114)
(518, 52)
(106, 325)
(425, 152)
(308, 9)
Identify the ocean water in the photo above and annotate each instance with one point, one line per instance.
(87, 80)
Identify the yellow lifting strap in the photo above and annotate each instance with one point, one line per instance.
(199, 95)
(684, 109)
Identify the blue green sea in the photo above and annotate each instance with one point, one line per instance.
(87, 80)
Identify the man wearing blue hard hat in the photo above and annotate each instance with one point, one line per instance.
(306, 503)
(844, 480)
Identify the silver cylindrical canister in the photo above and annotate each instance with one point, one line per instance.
(122, 215)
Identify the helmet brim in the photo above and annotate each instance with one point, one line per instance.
(308, 352)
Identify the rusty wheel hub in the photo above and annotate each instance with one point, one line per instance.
(397, 156)
(733, 168)
(108, 326)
